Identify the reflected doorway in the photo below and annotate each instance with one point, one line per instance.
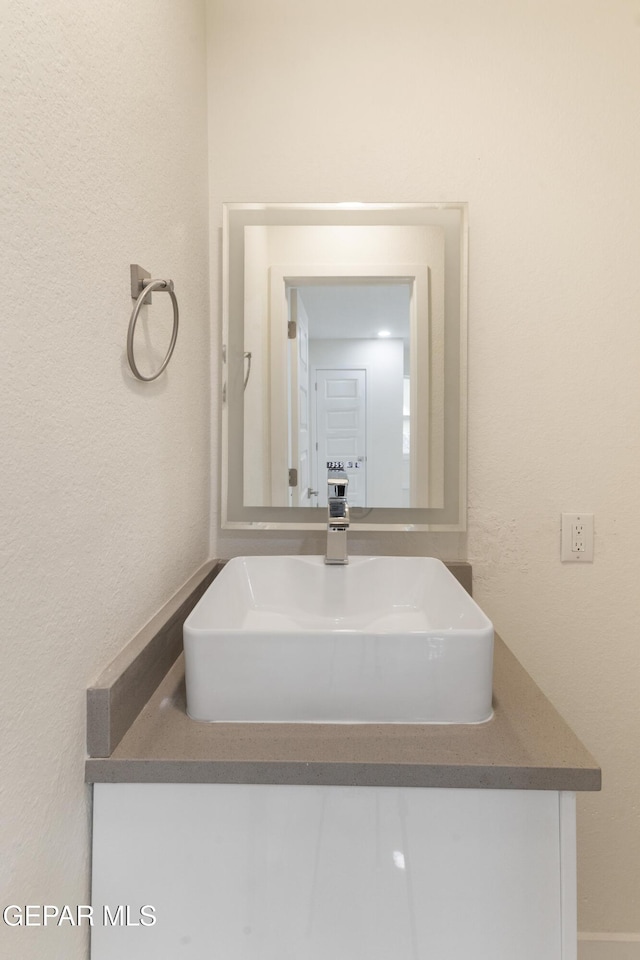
(349, 368)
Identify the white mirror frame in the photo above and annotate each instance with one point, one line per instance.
(451, 517)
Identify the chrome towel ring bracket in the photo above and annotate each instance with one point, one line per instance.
(142, 287)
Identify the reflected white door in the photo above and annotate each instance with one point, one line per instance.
(341, 401)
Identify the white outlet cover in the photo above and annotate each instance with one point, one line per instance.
(568, 522)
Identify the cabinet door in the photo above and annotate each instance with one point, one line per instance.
(252, 872)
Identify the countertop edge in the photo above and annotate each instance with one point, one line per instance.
(462, 776)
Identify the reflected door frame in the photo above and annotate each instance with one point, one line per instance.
(299, 421)
(425, 417)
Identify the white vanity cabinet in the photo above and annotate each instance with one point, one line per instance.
(307, 872)
(243, 841)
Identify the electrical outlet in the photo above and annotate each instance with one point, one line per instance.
(576, 538)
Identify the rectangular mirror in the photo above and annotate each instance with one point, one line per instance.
(344, 342)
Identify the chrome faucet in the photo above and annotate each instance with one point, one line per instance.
(338, 520)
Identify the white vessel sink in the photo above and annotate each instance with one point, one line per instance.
(382, 639)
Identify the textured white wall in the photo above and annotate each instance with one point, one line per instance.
(531, 112)
(104, 482)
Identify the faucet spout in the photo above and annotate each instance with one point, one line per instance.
(338, 518)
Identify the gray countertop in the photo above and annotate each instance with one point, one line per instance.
(526, 746)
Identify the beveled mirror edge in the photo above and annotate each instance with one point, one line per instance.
(460, 525)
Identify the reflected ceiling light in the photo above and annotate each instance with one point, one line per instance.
(384, 333)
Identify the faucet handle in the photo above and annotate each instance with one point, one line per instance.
(337, 475)
(339, 481)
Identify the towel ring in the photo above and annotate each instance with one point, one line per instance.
(146, 287)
